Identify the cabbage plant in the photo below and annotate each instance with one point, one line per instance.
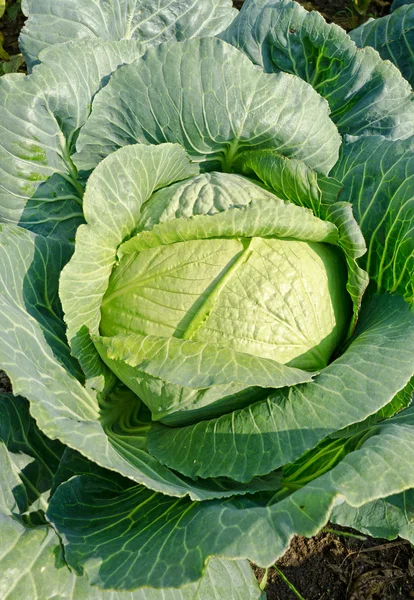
(207, 267)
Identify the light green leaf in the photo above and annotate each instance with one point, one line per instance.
(191, 364)
(393, 37)
(366, 94)
(268, 434)
(290, 179)
(377, 177)
(182, 534)
(39, 186)
(115, 193)
(261, 218)
(208, 97)
(203, 194)
(142, 20)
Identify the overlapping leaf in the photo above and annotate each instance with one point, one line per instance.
(294, 181)
(208, 97)
(259, 527)
(377, 364)
(377, 177)
(32, 563)
(386, 518)
(52, 22)
(41, 115)
(366, 94)
(115, 194)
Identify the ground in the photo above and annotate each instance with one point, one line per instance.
(328, 566)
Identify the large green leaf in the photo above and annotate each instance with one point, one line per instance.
(34, 354)
(41, 114)
(393, 37)
(181, 534)
(53, 22)
(29, 463)
(198, 364)
(366, 94)
(29, 453)
(38, 187)
(262, 217)
(377, 177)
(258, 439)
(208, 97)
(31, 564)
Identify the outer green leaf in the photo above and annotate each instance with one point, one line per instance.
(30, 453)
(142, 20)
(352, 243)
(29, 271)
(397, 3)
(208, 97)
(181, 534)
(39, 186)
(28, 462)
(258, 439)
(31, 562)
(393, 37)
(386, 518)
(400, 401)
(72, 73)
(377, 177)
(46, 577)
(366, 94)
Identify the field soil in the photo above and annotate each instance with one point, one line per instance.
(336, 567)
(328, 566)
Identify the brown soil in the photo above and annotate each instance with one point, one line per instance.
(10, 28)
(342, 11)
(333, 567)
(4, 383)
